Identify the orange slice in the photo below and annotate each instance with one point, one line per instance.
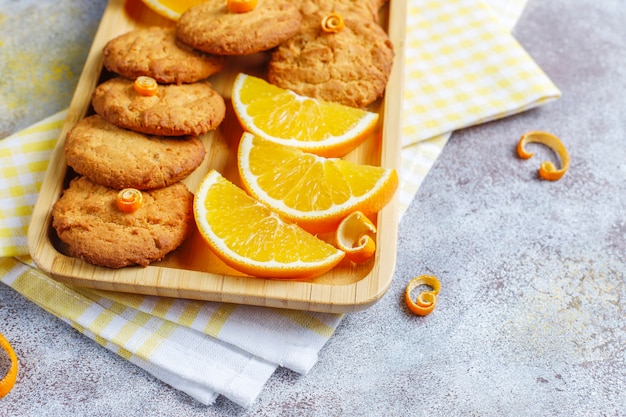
(172, 9)
(282, 116)
(252, 239)
(313, 191)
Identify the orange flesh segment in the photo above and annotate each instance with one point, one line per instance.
(547, 170)
(426, 301)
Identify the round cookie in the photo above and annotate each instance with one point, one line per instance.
(87, 220)
(120, 158)
(350, 67)
(313, 11)
(155, 52)
(175, 110)
(212, 28)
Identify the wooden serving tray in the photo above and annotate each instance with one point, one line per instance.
(193, 271)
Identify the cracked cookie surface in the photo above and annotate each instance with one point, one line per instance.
(120, 158)
(92, 228)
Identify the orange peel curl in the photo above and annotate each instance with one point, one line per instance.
(426, 300)
(547, 169)
(145, 86)
(332, 23)
(241, 6)
(129, 200)
(355, 236)
(8, 381)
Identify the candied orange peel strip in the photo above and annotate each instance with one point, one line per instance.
(8, 382)
(241, 6)
(129, 200)
(355, 236)
(547, 170)
(332, 23)
(146, 86)
(426, 301)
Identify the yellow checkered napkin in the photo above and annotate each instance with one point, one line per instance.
(464, 68)
(208, 349)
(23, 161)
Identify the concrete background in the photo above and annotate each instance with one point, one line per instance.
(531, 317)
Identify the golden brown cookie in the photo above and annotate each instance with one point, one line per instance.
(175, 110)
(87, 220)
(120, 158)
(350, 67)
(313, 11)
(155, 52)
(212, 28)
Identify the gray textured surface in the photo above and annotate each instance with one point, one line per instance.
(43, 47)
(531, 314)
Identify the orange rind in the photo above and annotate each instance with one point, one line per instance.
(547, 169)
(355, 236)
(332, 23)
(241, 6)
(426, 300)
(8, 382)
(145, 86)
(129, 200)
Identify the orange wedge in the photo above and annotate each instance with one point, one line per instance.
(252, 239)
(313, 191)
(172, 9)
(282, 116)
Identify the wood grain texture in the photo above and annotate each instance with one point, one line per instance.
(193, 271)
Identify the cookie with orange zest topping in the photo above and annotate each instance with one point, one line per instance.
(175, 110)
(350, 66)
(92, 227)
(155, 52)
(211, 27)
